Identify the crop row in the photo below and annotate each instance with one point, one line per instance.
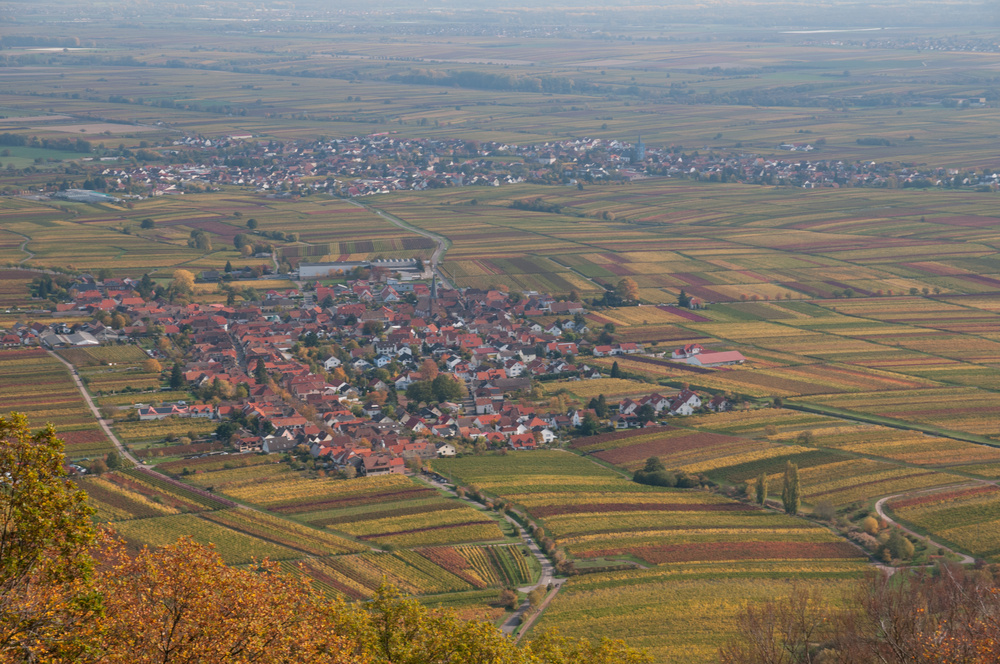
(293, 535)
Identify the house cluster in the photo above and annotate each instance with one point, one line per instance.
(647, 410)
(331, 371)
(365, 374)
(386, 162)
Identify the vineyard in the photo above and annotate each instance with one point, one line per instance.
(327, 535)
(594, 513)
(683, 612)
(966, 518)
(36, 384)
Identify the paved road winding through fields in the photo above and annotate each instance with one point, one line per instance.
(879, 509)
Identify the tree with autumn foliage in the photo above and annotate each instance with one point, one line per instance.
(945, 615)
(45, 533)
(627, 289)
(429, 370)
(181, 603)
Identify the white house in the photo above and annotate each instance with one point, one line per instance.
(685, 403)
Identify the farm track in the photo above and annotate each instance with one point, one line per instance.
(546, 578)
(24, 248)
(97, 415)
(443, 243)
(880, 510)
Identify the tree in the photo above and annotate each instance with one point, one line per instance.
(45, 534)
(114, 461)
(429, 369)
(536, 596)
(183, 281)
(147, 224)
(508, 599)
(778, 632)
(683, 300)
(790, 489)
(151, 366)
(252, 224)
(181, 603)
(229, 267)
(177, 377)
(599, 405)
(943, 616)
(899, 546)
(655, 473)
(200, 240)
(646, 412)
(590, 425)
(627, 289)
(760, 489)
(615, 371)
(146, 286)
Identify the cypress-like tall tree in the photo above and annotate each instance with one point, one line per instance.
(615, 371)
(176, 377)
(790, 490)
(761, 488)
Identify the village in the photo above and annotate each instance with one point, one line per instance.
(383, 163)
(369, 376)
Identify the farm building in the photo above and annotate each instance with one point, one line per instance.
(405, 266)
(720, 359)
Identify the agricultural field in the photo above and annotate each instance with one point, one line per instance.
(40, 386)
(684, 612)
(593, 512)
(388, 510)
(328, 548)
(612, 388)
(15, 284)
(91, 237)
(718, 243)
(846, 462)
(434, 571)
(966, 517)
(136, 494)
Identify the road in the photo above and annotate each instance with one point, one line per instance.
(125, 454)
(546, 578)
(965, 560)
(442, 242)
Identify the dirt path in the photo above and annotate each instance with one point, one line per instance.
(97, 415)
(23, 247)
(442, 242)
(879, 505)
(546, 578)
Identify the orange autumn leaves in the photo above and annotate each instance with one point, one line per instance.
(180, 603)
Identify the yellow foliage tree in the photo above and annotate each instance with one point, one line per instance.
(183, 281)
(627, 289)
